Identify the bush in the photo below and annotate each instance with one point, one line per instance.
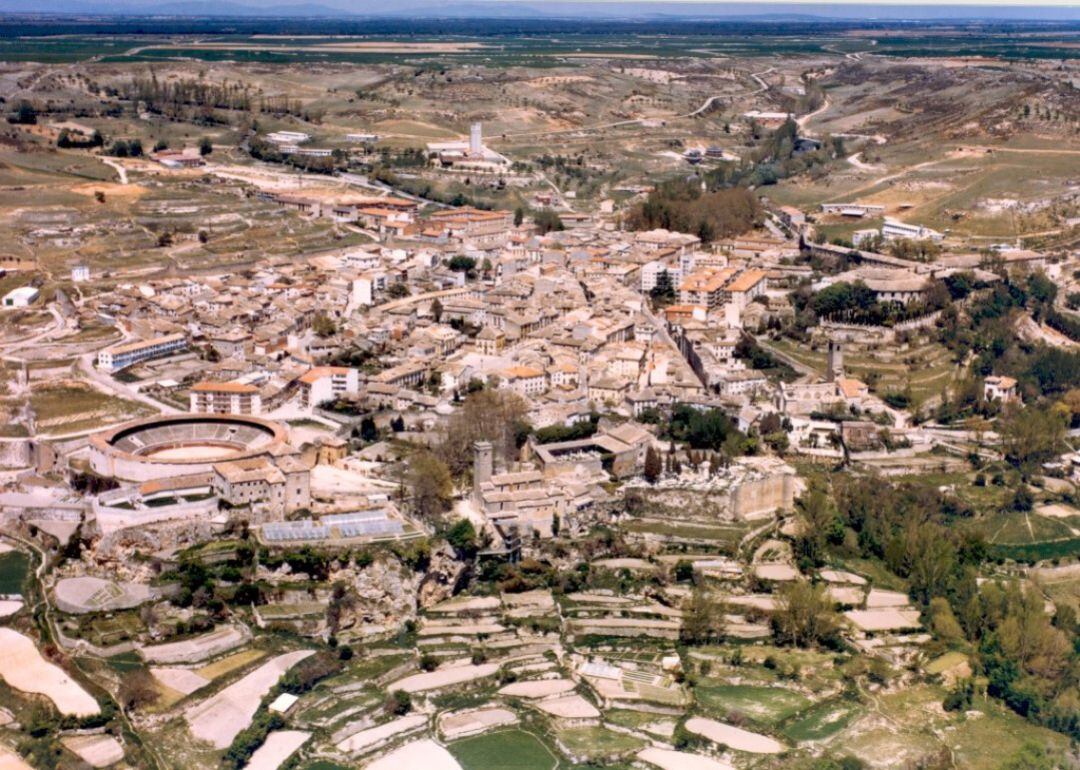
(398, 703)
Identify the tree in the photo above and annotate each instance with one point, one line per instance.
(664, 290)
(804, 615)
(519, 216)
(137, 689)
(491, 415)
(430, 485)
(462, 536)
(205, 146)
(653, 465)
(819, 524)
(1031, 434)
(368, 430)
(459, 263)
(547, 220)
(397, 290)
(437, 310)
(25, 114)
(398, 703)
(323, 325)
(703, 618)
(944, 622)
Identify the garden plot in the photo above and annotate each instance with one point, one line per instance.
(465, 723)
(734, 737)
(23, 668)
(444, 677)
(842, 594)
(90, 594)
(276, 749)
(570, 707)
(424, 754)
(540, 688)
(661, 629)
(883, 619)
(776, 572)
(197, 648)
(842, 576)
(668, 759)
(95, 750)
(588, 598)
(539, 602)
(634, 565)
(764, 602)
(877, 598)
(220, 717)
(182, 680)
(465, 604)
(374, 736)
(491, 750)
(462, 629)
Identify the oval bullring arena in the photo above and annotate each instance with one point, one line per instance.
(178, 445)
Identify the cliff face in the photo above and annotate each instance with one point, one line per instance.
(444, 577)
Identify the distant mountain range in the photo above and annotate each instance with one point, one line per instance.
(524, 9)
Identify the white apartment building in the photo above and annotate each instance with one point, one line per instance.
(225, 398)
(524, 380)
(651, 272)
(326, 383)
(122, 356)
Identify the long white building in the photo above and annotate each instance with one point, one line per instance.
(122, 356)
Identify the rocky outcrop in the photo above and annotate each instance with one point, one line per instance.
(443, 578)
(382, 594)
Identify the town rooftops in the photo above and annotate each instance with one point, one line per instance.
(317, 373)
(223, 387)
(130, 347)
(747, 280)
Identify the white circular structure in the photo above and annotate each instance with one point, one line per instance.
(178, 445)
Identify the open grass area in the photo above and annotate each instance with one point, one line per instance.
(494, 750)
(764, 705)
(945, 662)
(72, 406)
(596, 743)
(14, 569)
(821, 721)
(1024, 528)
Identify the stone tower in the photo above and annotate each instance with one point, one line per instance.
(476, 140)
(483, 462)
(835, 361)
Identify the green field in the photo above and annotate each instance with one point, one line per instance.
(821, 721)
(596, 743)
(504, 749)
(764, 705)
(14, 569)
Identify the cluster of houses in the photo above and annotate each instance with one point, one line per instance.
(576, 322)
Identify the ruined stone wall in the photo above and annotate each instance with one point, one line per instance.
(761, 497)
